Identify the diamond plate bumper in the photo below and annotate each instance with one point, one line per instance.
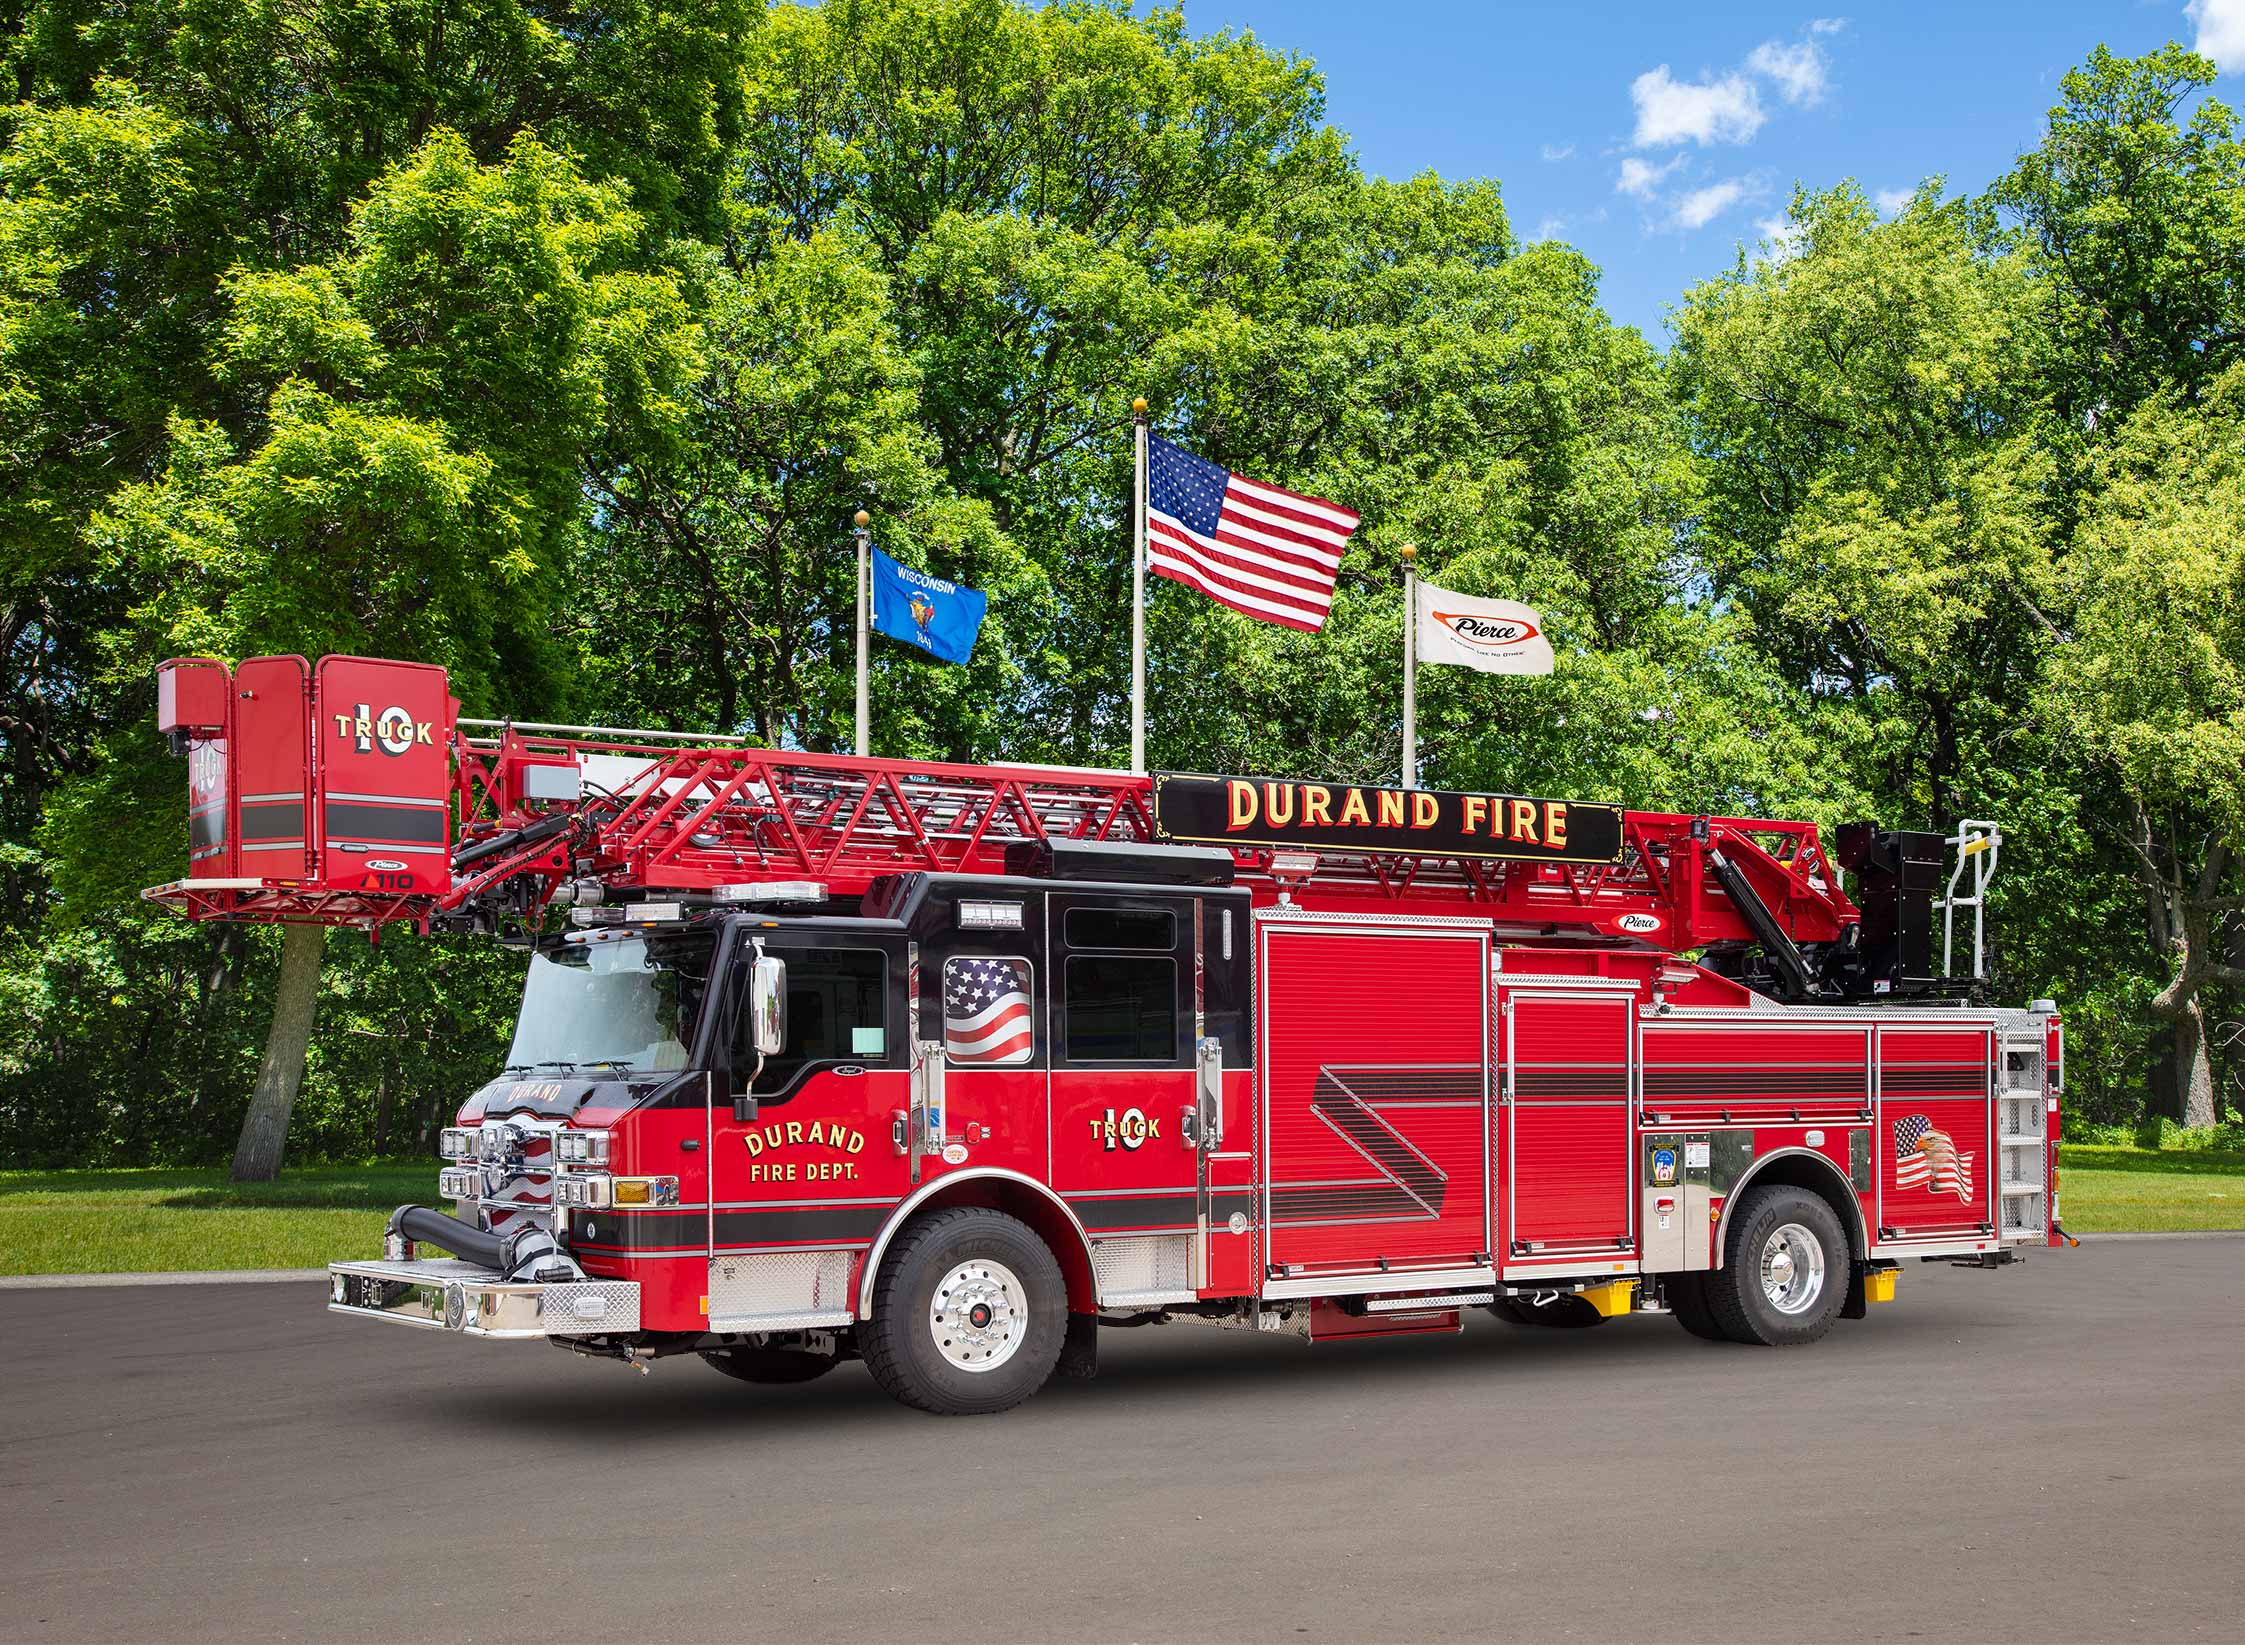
(441, 1294)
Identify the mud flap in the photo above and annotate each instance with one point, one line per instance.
(1858, 1304)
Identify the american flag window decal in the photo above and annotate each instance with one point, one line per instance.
(988, 1020)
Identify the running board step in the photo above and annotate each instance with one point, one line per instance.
(1432, 1299)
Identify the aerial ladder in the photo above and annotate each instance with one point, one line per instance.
(353, 793)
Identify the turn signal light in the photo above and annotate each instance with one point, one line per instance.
(644, 1191)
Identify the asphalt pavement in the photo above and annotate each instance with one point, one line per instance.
(2045, 1453)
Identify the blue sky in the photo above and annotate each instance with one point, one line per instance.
(1657, 137)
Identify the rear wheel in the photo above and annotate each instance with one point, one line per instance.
(770, 1364)
(1785, 1270)
(968, 1315)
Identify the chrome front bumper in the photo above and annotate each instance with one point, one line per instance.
(441, 1294)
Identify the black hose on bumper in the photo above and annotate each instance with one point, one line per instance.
(423, 1226)
(527, 1253)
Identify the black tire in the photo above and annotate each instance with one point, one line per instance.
(901, 1345)
(1742, 1307)
(1562, 1314)
(1687, 1300)
(774, 1365)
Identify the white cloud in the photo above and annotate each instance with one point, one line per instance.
(1641, 177)
(1698, 207)
(1559, 151)
(1670, 111)
(1552, 228)
(1826, 25)
(1784, 237)
(1797, 69)
(1892, 200)
(2221, 32)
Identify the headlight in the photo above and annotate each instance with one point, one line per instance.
(457, 1142)
(581, 1147)
(460, 1183)
(581, 1191)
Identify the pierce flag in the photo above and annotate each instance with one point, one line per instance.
(1494, 636)
(941, 618)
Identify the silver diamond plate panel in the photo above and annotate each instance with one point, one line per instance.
(1143, 1262)
(769, 1290)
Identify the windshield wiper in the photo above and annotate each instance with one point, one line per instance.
(555, 1062)
(608, 1062)
(518, 1068)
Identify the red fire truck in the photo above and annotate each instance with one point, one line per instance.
(946, 1066)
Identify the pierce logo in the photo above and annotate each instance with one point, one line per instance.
(1639, 922)
(1488, 633)
(394, 731)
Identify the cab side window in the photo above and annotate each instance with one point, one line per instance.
(1120, 985)
(837, 1011)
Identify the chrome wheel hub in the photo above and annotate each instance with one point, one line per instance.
(1792, 1269)
(979, 1315)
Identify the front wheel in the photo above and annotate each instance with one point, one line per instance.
(969, 1314)
(1785, 1270)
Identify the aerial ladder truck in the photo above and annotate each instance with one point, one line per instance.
(948, 1066)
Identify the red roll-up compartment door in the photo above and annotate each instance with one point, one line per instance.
(382, 735)
(1568, 1178)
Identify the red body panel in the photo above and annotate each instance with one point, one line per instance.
(1376, 1129)
(384, 733)
(1568, 1135)
(1934, 1081)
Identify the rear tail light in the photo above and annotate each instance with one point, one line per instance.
(457, 1142)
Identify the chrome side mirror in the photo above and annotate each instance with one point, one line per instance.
(767, 996)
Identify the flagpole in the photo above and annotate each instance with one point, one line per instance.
(864, 636)
(1410, 669)
(1138, 591)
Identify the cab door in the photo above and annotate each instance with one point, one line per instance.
(814, 1167)
(1120, 1012)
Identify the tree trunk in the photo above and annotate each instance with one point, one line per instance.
(382, 1103)
(2194, 1067)
(265, 1127)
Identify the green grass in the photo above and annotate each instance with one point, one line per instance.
(2105, 1189)
(110, 1222)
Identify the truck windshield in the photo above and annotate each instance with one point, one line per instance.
(627, 1005)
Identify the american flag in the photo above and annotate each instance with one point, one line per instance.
(1924, 1157)
(1257, 548)
(986, 1017)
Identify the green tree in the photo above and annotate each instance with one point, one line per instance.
(2132, 222)
(409, 483)
(2153, 683)
(1866, 419)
